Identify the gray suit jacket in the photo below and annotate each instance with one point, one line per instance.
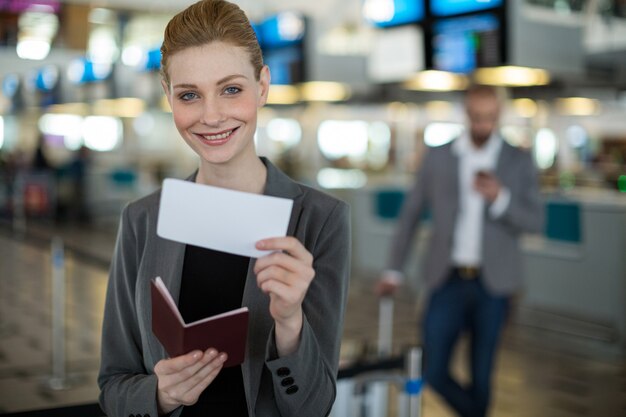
(437, 188)
(130, 350)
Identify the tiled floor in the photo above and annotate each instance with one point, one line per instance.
(533, 378)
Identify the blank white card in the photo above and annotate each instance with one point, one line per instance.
(220, 219)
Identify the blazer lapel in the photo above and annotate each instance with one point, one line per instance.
(260, 322)
(503, 159)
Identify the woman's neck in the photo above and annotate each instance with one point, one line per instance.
(245, 175)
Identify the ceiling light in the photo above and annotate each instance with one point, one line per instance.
(577, 106)
(525, 107)
(511, 76)
(324, 91)
(432, 80)
(283, 94)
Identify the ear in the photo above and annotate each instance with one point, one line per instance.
(264, 85)
(166, 90)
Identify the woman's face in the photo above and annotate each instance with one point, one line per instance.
(214, 96)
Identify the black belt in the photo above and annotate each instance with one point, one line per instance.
(467, 272)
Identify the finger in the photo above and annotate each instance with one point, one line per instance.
(192, 395)
(298, 279)
(285, 293)
(182, 389)
(172, 380)
(278, 258)
(286, 243)
(174, 365)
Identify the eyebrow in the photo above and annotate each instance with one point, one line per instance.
(224, 80)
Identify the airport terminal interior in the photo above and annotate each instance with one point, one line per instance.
(360, 91)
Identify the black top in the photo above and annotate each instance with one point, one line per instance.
(213, 283)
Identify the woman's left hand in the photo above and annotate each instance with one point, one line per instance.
(285, 275)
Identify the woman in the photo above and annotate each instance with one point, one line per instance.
(215, 81)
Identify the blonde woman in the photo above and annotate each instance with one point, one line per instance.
(215, 81)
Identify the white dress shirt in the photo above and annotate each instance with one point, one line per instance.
(467, 242)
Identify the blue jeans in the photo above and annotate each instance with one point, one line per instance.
(457, 306)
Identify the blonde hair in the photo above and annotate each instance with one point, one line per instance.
(210, 21)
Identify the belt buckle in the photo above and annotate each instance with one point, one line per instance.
(468, 272)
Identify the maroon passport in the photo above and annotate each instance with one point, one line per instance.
(224, 332)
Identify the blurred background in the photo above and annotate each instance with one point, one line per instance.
(360, 90)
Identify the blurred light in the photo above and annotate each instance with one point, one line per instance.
(340, 138)
(37, 28)
(33, 48)
(132, 56)
(68, 126)
(144, 124)
(101, 16)
(1, 131)
(439, 110)
(379, 145)
(100, 70)
(576, 136)
(379, 11)
(102, 48)
(380, 134)
(286, 131)
(440, 133)
(165, 105)
(75, 70)
(621, 183)
(525, 107)
(341, 178)
(47, 78)
(397, 111)
(290, 26)
(283, 94)
(518, 136)
(324, 91)
(81, 109)
(546, 146)
(432, 80)
(102, 133)
(577, 106)
(10, 85)
(119, 107)
(82, 70)
(512, 76)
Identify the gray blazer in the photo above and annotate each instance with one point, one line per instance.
(437, 188)
(130, 350)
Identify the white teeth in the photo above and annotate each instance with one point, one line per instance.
(217, 137)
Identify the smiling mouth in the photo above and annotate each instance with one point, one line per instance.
(219, 136)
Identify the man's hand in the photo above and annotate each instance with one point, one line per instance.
(487, 185)
(387, 285)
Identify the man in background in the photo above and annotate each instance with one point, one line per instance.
(482, 194)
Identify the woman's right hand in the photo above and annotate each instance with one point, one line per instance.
(182, 379)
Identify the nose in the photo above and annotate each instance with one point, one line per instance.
(212, 114)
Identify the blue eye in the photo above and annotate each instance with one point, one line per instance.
(232, 90)
(188, 96)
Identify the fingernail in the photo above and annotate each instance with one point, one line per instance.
(212, 353)
(196, 355)
(260, 244)
(223, 357)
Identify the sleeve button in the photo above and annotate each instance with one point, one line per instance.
(287, 381)
(292, 390)
(283, 371)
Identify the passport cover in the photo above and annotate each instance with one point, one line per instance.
(226, 332)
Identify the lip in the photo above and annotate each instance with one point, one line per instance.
(217, 142)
